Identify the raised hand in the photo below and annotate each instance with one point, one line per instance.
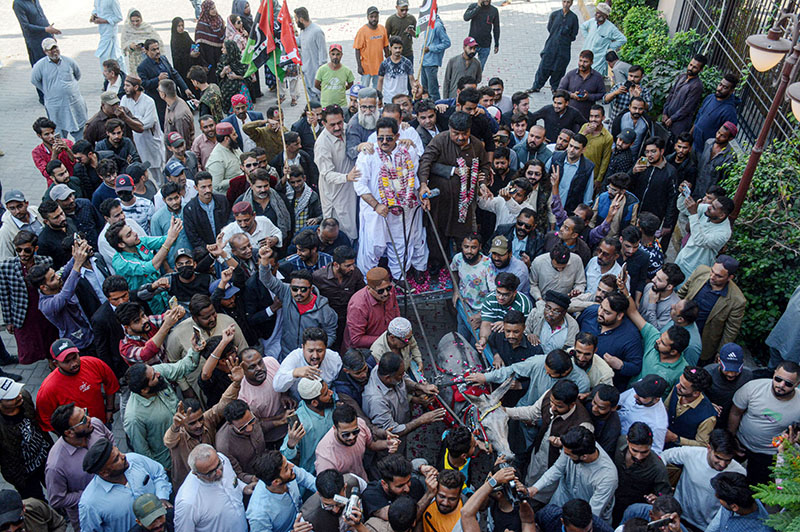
(309, 372)
(296, 433)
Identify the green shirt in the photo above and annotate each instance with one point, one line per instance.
(494, 311)
(333, 85)
(147, 419)
(651, 361)
(138, 269)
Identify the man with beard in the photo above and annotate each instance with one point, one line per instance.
(683, 98)
(399, 339)
(266, 133)
(533, 147)
(692, 416)
(19, 216)
(583, 471)
(139, 259)
(56, 228)
(390, 210)
(602, 404)
(642, 402)
(642, 474)
(371, 309)
(558, 270)
(223, 164)
(276, 499)
(314, 420)
(558, 117)
(87, 381)
(337, 172)
(584, 84)
(728, 374)
(762, 410)
(64, 477)
(710, 230)
(635, 260)
(343, 446)
(204, 144)
(510, 345)
(715, 111)
(362, 124)
(453, 211)
(262, 195)
(171, 207)
(504, 261)
(714, 159)
(321, 510)
(176, 146)
(271, 408)
(339, 281)
(584, 356)
(312, 47)
(206, 214)
(684, 314)
(426, 116)
(258, 229)
(525, 241)
(574, 174)
(59, 301)
(475, 275)
(622, 157)
(241, 440)
(80, 210)
(153, 402)
(122, 147)
(150, 140)
(655, 184)
(635, 119)
(562, 28)
(463, 65)
(333, 79)
(313, 360)
(482, 127)
(598, 149)
(603, 263)
(107, 501)
(145, 335)
(659, 295)
(444, 512)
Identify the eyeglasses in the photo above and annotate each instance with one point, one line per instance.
(386, 138)
(301, 289)
(384, 290)
(83, 420)
(534, 174)
(211, 473)
(350, 434)
(251, 165)
(330, 507)
(524, 225)
(504, 295)
(782, 380)
(241, 429)
(404, 340)
(368, 107)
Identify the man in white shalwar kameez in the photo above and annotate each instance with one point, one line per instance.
(388, 188)
(107, 14)
(150, 142)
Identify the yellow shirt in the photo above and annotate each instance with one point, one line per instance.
(434, 521)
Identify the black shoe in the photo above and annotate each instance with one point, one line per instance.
(8, 361)
(533, 89)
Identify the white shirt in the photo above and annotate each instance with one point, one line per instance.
(408, 133)
(654, 416)
(191, 192)
(694, 490)
(105, 249)
(329, 369)
(211, 506)
(247, 143)
(593, 274)
(264, 228)
(95, 279)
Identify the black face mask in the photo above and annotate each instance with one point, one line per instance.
(471, 54)
(125, 195)
(186, 272)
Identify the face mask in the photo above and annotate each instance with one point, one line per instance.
(471, 54)
(125, 195)
(186, 272)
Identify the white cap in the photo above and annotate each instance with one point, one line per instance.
(48, 43)
(9, 389)
(309, 389)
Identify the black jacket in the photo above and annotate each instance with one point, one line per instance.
(533, 247)
(657, 190)
(107, 334)
(578, 184)
(553, 123)
(306, 161)
(481, 127)
(307, 139)
(195, 221)
(256, 300)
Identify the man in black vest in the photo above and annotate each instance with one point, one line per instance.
(575, 173)
(692, 416)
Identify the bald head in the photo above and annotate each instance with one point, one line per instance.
(241, 247)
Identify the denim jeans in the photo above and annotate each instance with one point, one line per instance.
(483, 55)
(430, 80)
(196, 5)
(76, 135)
(367, 80)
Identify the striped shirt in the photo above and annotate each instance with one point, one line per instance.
(494, 311)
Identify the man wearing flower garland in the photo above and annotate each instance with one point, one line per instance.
(453, 210)
(388, 189)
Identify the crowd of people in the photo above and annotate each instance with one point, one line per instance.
(227, 288)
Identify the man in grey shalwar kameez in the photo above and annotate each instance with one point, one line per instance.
(563, 28)
(57, 77)
(313, 50)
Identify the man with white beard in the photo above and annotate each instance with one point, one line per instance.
(363, 123)
(388, 189)
(150, 142)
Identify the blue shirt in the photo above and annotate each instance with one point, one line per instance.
(316, 426)
(107, 507)
(712, 114)
(727, 521)
(640, 128)
(275, 512)
(624, 342)
(569, 171)
(534, 369)
(209, 210)
(706, 298)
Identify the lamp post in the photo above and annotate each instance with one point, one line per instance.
(766, 51)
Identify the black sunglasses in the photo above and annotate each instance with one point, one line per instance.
(301, 289)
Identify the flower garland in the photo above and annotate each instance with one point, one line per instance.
(399, 167)
(469, 178)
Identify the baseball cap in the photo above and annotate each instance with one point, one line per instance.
(48, 43)
(11, 504)
(731, 357)
(335, 46)
(147, 508)
(124, 182)
(137, 170)
(627, 135)
(61, 348)
(174, 167)
(469, 41)
(229, 292)
(175, 139)
(372, 9)
(402, 3)
(9, 388)
(14, 195)
(650, 386)
(184, 252)
(309, 389)
(499, 245)
(354, 90)
(109, 98)
(60, 192)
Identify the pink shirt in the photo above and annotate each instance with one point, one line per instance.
(332, 454)
(202, 148)
(263, 400)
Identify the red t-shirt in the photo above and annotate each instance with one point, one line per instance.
(84, 389)
(308, 306)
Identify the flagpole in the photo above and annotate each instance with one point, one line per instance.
(280, 107)
(308, 102)
(424, 45)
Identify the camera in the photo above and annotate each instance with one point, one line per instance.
(348, 503)
(628, 84)
(510, 489)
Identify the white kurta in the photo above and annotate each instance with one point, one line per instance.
(336, 193)
(108, 47)
(375, 238)
(150, 142)
(211, 507)
(264, 229)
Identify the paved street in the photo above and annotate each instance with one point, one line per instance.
(523, 32)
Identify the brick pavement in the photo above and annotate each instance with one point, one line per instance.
(523, 32)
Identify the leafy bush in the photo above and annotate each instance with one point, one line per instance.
(641, 25)
(787, 494)
(766, 239)
(662, 76)
(620, 8)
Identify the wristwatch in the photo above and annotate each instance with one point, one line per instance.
(492, 482)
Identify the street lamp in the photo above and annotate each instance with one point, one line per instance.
(766, 51)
